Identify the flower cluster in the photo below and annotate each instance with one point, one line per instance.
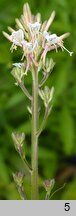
(33, 37)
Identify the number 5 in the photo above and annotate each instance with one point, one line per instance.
(67, 207)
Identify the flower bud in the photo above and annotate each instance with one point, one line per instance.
(18, 139)
(18, 178)
(48, 185)
(49, 65)
(46, 95)
(19, 71)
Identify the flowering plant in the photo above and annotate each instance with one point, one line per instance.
(33, 38)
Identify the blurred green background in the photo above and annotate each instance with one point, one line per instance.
(57, 144)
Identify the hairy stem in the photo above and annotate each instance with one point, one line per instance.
(34, 157)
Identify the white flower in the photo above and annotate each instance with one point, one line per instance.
(17, 37)
(27, 46)
(19, 65)
(53, 39)
(46, 35)
(35, 27)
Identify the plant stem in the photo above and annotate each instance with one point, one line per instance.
(22, 86)
(28, 170)
(57, 190)
(24, 90)
(43, 80)
(21, 192)
(34, 156)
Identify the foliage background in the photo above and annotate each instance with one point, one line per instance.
(57, 148)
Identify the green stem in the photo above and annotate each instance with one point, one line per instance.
(21, 192)
(22, 86)
(24, 90)
(34, 157)
(43, 80)
(28, 170)
(57, 190)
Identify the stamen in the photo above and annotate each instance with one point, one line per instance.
(54, 40)
(70, 53)
(13, 47)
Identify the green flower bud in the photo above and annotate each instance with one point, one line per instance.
(19, 71)
(46, 95)
(18, 178)
(49, 65)
(18, 139)
(48, 185)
